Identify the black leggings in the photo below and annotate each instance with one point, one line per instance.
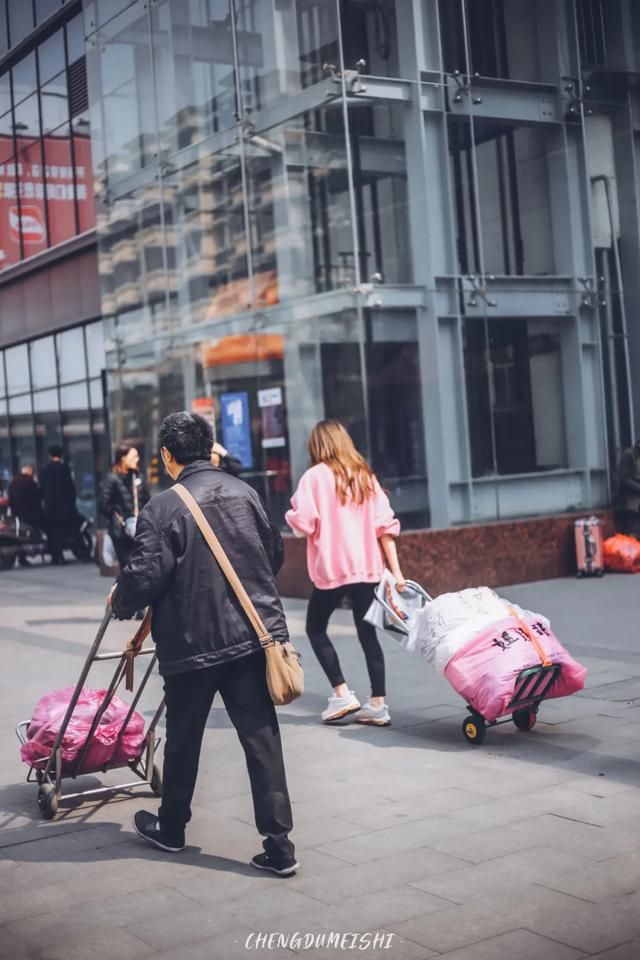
(321, 605)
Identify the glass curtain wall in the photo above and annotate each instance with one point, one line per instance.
(375, 210)
(46, 177)
(52, 391)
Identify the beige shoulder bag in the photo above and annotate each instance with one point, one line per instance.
(285, 678)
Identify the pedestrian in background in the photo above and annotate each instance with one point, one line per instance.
(59, 499)
(203, 638)
(25, 500)
(345, 515)
(629, 491)
(122, 496)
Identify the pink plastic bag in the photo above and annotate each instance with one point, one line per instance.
(47, 720)
(484, 672)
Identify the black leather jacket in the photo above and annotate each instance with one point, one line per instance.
(197, 620)
(116, 500)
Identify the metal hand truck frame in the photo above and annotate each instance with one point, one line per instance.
(48, 772)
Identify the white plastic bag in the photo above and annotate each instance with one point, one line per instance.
(393, 611)
(109, 556)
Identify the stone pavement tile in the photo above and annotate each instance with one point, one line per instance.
(232, 946)
(383, 907)
(339, 804)
(350, 881)
(516, 945)
(325, 830)
(125, 909)
(49, 938)
(596, 786)
(586, 840)
(20, 904)
(30, 827)
(603, 811)
(585, 926)
(60, 846)
(407, 836)
(456, 927)
(600, 881)
(269, 909)
(626, 951)
(415, 808)
(498, 876)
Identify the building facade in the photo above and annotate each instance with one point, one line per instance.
(419, 216)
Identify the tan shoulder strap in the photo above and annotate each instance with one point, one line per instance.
(225, 564)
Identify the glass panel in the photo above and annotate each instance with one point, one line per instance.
(43, 363)
(513, 196)
(60, 190)
(3, 385)
(107, 9)
(299, 209)
(33, 225)
(44, 9)
(6, 471)
(193, 69)
(513, 371)
(4, 34)
(46, 416)
(278, 59)
(95, 350)
(27, 118)
(71, 362)
(54, 103)
(508, 39)
(396, 429)
(21, 429)
(208, 215)
(5, 89)
(84, 175)
(76, 431)
(24, 77)
(51, 57)
(20, 20)
(370, 33)
(75, 39)
(10, 250)
(129, 133)
(99, 431)
(17, 361)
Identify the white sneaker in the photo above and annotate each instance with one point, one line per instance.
(376, 716)
(338, 707)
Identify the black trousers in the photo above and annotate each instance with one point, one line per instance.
(243, 687)
(321, 605)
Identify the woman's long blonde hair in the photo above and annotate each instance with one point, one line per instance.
(330, 443)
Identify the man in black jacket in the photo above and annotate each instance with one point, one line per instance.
(204, 641)
(59, 495)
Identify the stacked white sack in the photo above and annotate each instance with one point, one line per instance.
(451, 621)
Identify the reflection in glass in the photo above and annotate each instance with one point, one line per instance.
(21, 430)
(5, 449)
(513, 370)
(60, 189)
(370, 33)
(51, 57)
(46, 421)
(95, 348)
(43, 363)
(193, 71)
(17, 361)
(20, 20)
(513, 197)
(283, 47)
(76, 431)
(24, 77)
(71, 362)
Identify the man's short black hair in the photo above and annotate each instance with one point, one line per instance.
(56, 451)
(187, 436)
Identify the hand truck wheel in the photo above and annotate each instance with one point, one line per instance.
(525, 719)
(474, 730)
(48, 800)
(156, 780)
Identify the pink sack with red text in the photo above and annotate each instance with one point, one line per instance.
(485, 671)
(47, 721)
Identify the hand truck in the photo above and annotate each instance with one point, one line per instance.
(49, 773)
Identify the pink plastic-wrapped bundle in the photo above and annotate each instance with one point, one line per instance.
(104, 750)
(485, 670)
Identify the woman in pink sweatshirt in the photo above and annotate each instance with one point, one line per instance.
(345, 515)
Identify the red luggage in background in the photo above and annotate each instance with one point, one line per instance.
(589, 551)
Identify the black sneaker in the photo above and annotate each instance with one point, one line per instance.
(282, 868)
(148, 828)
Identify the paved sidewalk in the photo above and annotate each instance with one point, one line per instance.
(527, 848)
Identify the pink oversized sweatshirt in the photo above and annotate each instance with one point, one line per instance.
(342, 538)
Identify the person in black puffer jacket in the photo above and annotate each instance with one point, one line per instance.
(204, 641)
(122, 496)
